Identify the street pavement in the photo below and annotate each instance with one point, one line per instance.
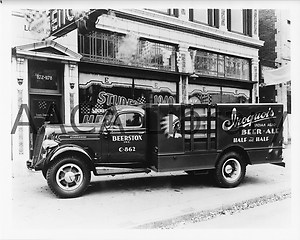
(132, 201)
(273, 215)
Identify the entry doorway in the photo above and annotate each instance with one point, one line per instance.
(45, 94)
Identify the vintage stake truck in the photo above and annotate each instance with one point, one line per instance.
(219, 139)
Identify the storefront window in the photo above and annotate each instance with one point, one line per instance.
(205, 94)
(96, 95)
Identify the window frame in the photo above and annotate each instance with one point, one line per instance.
(152, 62)
(169, 11)
(221, 65)
(127, 127)
(212, 17)
(59, 67)
(247, 22)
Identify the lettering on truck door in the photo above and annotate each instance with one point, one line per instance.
(126, 141)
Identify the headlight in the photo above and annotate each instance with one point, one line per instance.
(49, 143)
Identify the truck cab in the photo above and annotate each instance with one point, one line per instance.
(124, 138)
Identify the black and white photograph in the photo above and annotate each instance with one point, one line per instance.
(149, 120)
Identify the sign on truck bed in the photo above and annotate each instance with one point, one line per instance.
(220, 139)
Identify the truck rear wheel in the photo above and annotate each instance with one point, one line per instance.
(230, 170)
(68, 177)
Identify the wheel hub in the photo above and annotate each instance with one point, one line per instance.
(228, 169)
(69, 177)
(231, 170)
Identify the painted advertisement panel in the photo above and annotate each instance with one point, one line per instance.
(250, 126)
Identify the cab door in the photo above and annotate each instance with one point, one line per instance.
(125, 140)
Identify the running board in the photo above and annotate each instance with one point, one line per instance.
(114, 171)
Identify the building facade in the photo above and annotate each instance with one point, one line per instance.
(275, 59)
(104, 57)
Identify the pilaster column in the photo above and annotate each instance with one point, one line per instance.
(71, 91)
(185, 65)
(183, 89)
(255, 24)
(20, 72)
(19, 91)
(223, 20)
(184, 14)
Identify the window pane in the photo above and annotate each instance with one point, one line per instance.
(221, 65)
(206, 63)
(133, 120)
(127, 50)
(45, 75)
(237, 68)
(237, 20)
(201, 15)
(129, 120)
(161, 10)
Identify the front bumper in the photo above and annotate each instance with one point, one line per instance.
(37, 166)
(29, 164)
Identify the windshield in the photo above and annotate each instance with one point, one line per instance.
(108, 117)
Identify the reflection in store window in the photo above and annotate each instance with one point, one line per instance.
(213, 64)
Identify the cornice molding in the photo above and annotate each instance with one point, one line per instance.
(176, 24)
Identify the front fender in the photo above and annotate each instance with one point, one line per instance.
(67, 148)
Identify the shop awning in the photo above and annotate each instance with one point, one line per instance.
(277, 76)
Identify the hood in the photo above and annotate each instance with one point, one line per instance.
(73, 128)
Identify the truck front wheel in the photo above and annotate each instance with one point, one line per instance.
(230, 170)
(68, 177)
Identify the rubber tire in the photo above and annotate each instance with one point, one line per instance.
(44, 172)
(51, 177)
(218, 176)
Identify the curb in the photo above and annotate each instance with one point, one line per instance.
(206, 215)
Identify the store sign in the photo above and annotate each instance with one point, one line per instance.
(63, 20)
(60, 18)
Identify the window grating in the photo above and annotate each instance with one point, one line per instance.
(127, 50)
